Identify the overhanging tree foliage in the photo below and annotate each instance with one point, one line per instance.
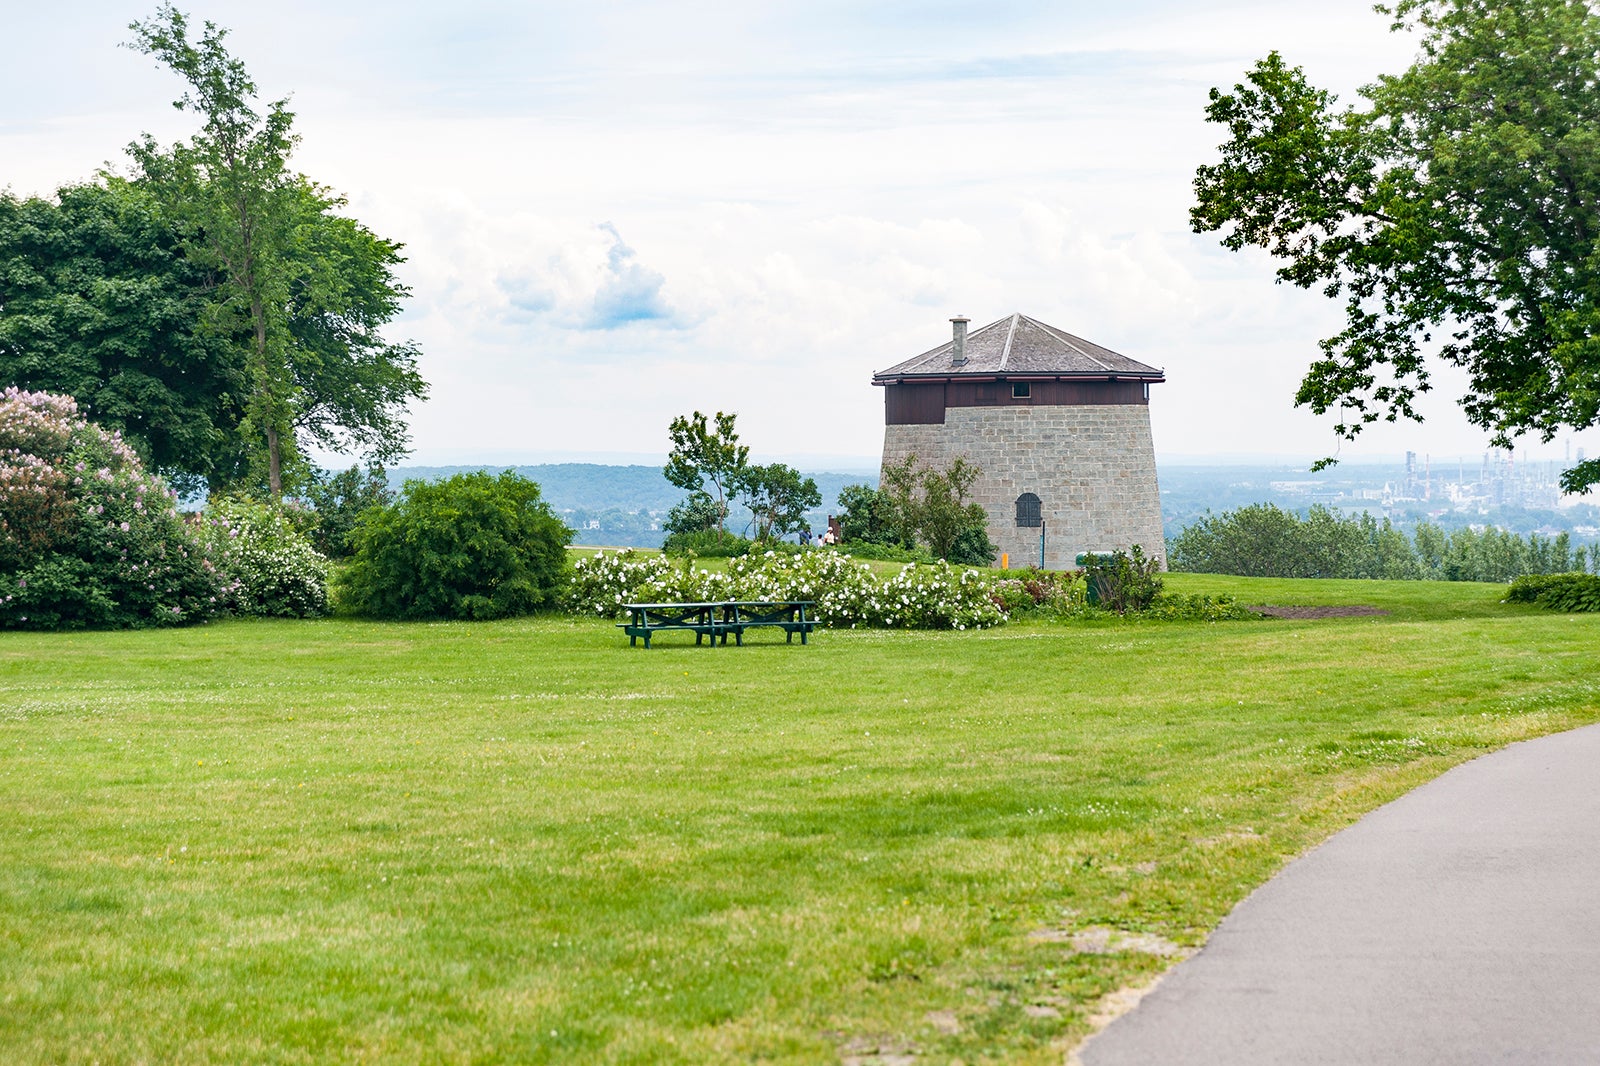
(1456, 214)
(99, 302)
(306, 289)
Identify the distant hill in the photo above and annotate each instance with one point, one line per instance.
(575, 486)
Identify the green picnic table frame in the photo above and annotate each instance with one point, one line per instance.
(717, 620)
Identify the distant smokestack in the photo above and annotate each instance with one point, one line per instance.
(958, 330)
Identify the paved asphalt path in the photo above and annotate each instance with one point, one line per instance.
(1458, 924)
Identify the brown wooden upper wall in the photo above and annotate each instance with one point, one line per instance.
(925, 403)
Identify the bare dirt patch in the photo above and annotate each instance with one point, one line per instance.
(1349, 610)
(877, 1051)
(1231, 836)
(1098, 940)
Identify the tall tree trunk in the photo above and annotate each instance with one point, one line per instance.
(274, 446)
(274, 465)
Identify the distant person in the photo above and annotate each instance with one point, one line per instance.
(828, 538)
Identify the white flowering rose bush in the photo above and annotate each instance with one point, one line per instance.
(87, 536)
(936, 597)
(686, 584)
(602, 583)
(845, 592)
(271, 567)
(837, 585)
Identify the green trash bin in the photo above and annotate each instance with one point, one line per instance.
(1092, 588)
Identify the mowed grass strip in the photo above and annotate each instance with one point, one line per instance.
(293, 842)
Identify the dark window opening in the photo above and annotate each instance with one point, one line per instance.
(1021, 391)
(1029, 511)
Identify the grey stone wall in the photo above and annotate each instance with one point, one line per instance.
(1093, 468)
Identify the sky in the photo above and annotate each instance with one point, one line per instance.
(615, 213)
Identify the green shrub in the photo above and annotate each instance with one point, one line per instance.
(1558, 592)
(1526, 589)
(87, 537)
(470, 546)
(934, 597)
(273, 570)
(1122, 581)
(972, 547)
(887, 553)
(1059, 593)
(339, 500)
(707, 544)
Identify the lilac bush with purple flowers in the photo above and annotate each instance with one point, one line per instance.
(87, 537)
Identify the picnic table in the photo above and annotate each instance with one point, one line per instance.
(717, 620)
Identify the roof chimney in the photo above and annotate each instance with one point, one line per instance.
(958, 330)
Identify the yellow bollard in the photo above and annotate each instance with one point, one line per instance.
(1005, 560)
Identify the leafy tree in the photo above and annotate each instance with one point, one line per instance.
(1263, 541)
(1431, 543)
(1454, 213)
(778, 497)
(99, 302)
(870, 516)
(350, 386)
(699, 513)
(704, 456)
(934, 505)
(1387, 553)
(972, 547)
(339, 500)
(470, 546)
(307, 288)
(695, 526)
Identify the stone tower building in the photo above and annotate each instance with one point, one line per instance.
(1060, 427)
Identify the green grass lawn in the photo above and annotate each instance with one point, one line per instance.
(526, 842)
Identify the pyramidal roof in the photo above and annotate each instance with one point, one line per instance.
(1020, 346)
